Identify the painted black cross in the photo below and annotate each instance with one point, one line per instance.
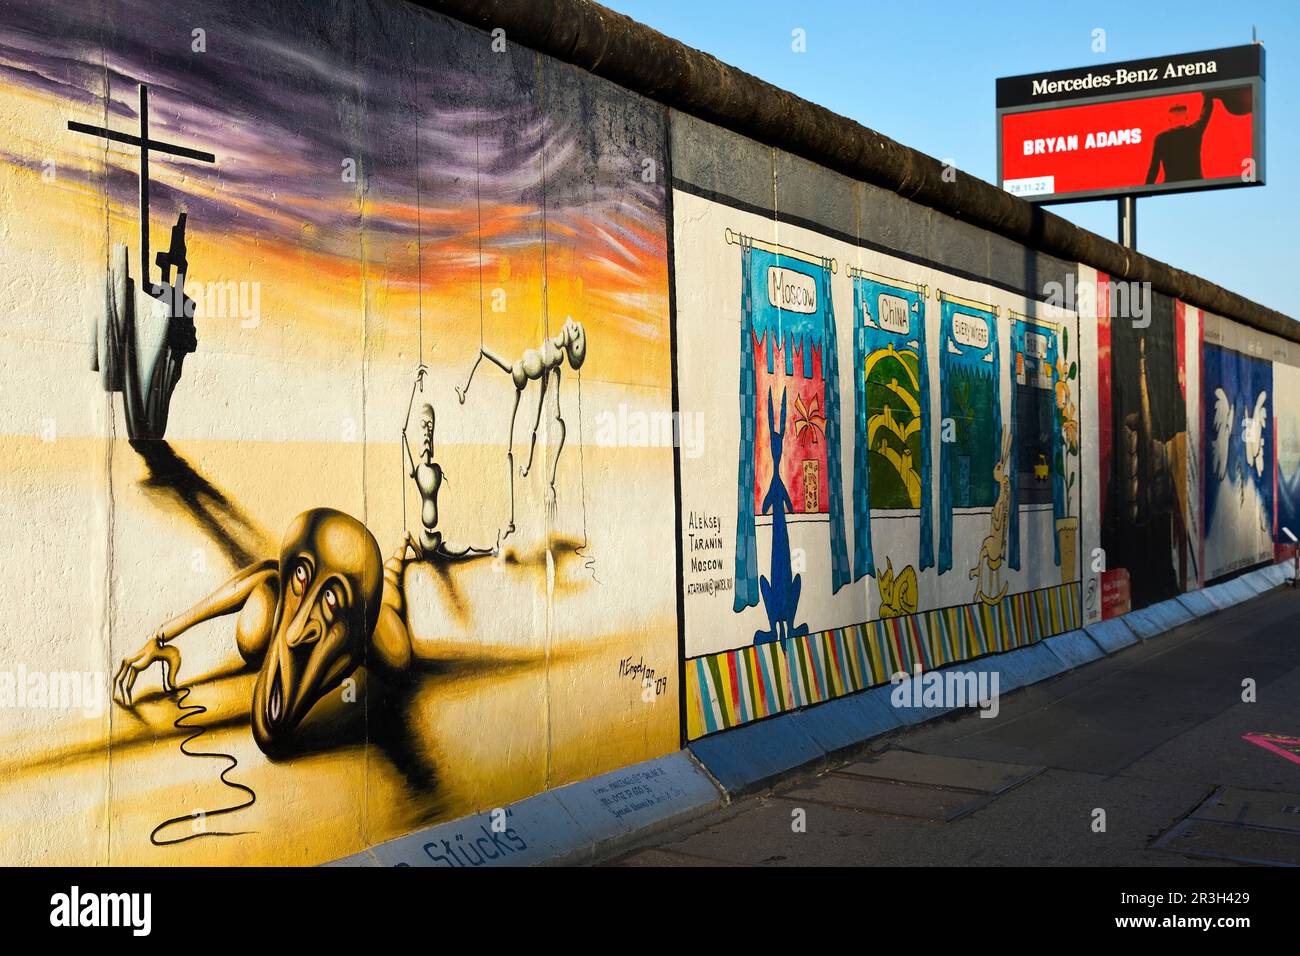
(146, 144)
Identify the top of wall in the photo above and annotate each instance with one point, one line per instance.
(634, 56)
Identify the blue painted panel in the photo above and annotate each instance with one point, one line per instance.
(846, 722)
(1074, 648)
(876, 714)
(1112, 635)
(1198, 603)
(1157, 618)
(1252, 581)
(1030, 665)
(1228, 593)
(744, 758)
(904, 701)
(1275, 574)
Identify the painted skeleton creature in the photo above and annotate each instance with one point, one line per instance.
(541, 365)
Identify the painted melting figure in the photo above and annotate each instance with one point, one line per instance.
(148, 327)
(145, 334)
(428, 477)
(536, 365)
(308, 619)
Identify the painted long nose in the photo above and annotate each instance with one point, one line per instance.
(310, 634)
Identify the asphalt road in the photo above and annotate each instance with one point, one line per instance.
(1149, 757)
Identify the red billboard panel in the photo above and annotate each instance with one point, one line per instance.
(1060, 139)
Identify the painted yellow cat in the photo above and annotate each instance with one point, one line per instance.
(897, 594)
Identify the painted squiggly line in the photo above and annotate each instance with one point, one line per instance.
(589, 562)
(195, 710)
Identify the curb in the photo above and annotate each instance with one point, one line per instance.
(754, 757)
(570, 824)
(585, 821)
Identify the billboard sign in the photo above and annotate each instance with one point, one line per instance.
(1164, 124)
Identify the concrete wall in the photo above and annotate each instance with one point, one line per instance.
(383, 617)
(388, 193)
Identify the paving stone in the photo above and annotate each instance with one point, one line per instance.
(1223, 841)
(904, 766)
(1255, 808)
(851, 792)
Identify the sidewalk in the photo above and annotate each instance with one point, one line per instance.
(1154, 737)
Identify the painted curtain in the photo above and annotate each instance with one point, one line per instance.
(1035, 433)
(891, 448)
(787, 346)
(968, 375)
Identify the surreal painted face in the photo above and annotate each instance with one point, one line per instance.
(426, 425)
(331, 576)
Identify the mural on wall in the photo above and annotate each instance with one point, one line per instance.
(1107, 592)
(974, 459)
(1286, 429)
(1189, 322)
(1236, 405)
(792, 635)
(892, 424)
(365, 230)
(788, 349)
(1145, 532)
(1045, 435)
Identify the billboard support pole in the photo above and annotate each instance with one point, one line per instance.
(1128, 221)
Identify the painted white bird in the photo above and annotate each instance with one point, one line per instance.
(1254, 428)
(1223, 421)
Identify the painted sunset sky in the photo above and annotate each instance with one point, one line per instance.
(462, 154)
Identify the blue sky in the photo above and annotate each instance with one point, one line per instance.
(922, 73)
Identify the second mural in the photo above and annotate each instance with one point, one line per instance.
(890, 477)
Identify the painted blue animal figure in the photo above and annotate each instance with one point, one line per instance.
(781, 592)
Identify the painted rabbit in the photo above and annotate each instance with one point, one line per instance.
(781, 592)
(996, 540)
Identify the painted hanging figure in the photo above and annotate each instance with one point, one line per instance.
(780, 591)
(536, 365)
(428, 477)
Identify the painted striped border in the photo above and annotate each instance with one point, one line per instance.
(734, 687)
